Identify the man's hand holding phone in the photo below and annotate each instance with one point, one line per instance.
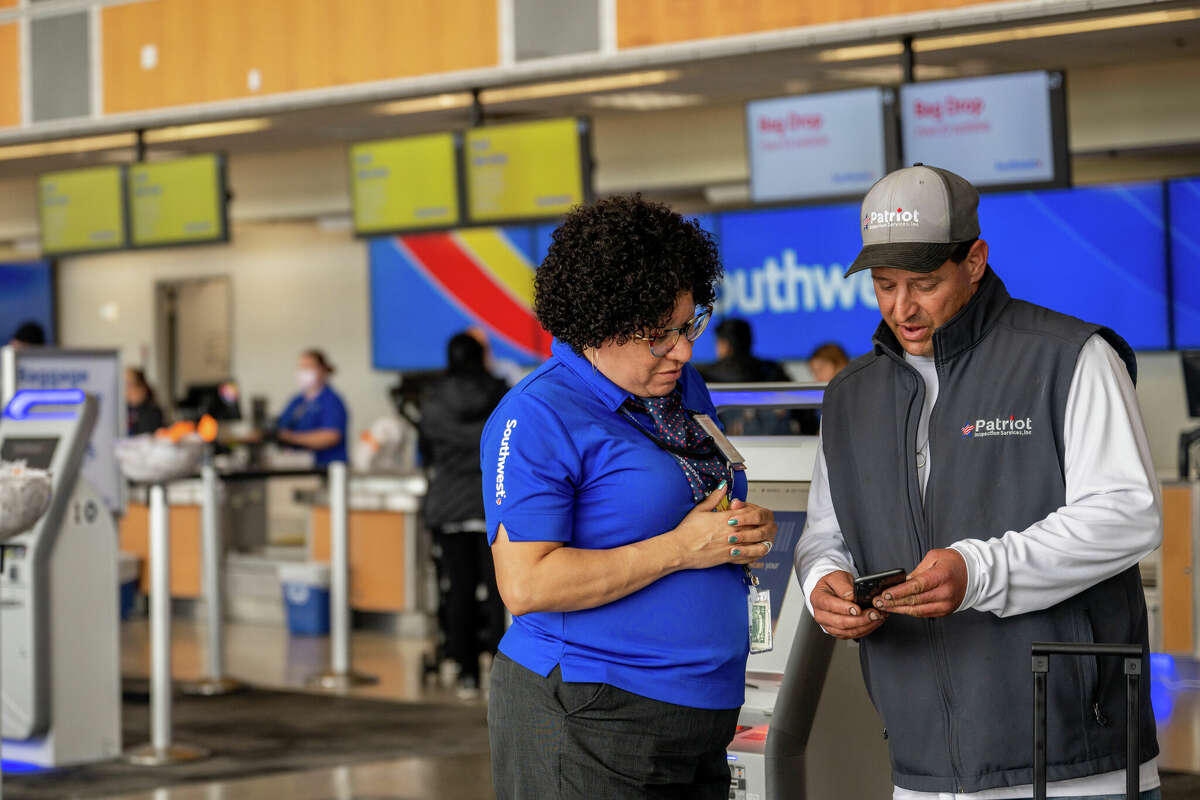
(834, 608)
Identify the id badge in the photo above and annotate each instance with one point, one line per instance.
(762, 638)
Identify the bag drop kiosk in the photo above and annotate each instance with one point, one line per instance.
(808, 730)
(61, 675)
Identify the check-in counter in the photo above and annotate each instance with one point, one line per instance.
(184, 518)
(384, 528)
(242, 521)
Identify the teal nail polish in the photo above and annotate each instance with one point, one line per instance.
(732, 522)
(733, 540)
(735, 552)
(720, 486)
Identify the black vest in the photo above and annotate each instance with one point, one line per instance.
(956, 693)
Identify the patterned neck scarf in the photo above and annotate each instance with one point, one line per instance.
(676, 432)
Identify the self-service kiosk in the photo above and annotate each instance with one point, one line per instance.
(808, 730)
(60, 660)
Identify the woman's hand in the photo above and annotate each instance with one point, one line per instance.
(742, 534)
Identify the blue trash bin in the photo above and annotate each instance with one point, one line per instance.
(306, 597)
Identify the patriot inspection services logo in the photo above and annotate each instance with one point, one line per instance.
(998, 427)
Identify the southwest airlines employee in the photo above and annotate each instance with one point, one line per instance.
(316, 418)
(623, 671)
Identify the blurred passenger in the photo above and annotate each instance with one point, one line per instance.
(827, 361)
(28, 334)
(316, 418)
(142, 412)
(453, 411)
(736, 363)
(617, 548)
(504, 368)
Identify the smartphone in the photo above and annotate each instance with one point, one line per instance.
(868, 587)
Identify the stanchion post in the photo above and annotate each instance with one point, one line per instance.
(161, 750)
(339, 676)
(215, 683)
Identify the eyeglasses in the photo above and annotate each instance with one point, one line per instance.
(662, 342)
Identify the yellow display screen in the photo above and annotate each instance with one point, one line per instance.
(177, 202)
(404, 184)
(82, 210)
(523, 171)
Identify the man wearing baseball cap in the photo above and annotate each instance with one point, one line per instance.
(995, 451)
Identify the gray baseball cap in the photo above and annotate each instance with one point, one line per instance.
(913, 219)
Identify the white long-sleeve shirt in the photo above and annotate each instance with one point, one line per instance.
(1111, 520)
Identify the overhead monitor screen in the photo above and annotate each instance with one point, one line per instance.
(528, 170)
(82, 210)
(817, 146)
(995, 131)
(35, 451)
(1185, 257)
(405, 184)
(178, 202)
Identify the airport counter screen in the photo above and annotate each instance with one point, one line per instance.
(82, 210)
(26, 295)
(1185, 254)
(524, 171)
(405, 184)
(1095, 252)
(177, 202)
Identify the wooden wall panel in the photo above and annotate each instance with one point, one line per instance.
(10, 76)
(207, 48)
(641, 23)
(1178, 563)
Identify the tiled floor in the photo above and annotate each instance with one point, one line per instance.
(267, 656)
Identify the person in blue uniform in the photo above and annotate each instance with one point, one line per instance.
(316, 418)
(617, 548)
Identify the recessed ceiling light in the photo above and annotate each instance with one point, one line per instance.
(605, 83)
(1055, 29)
(645, 101)
(86, 144)
(205, 130)
(419, 105)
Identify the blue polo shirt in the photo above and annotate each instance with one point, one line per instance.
(326, 410)
(560, 464)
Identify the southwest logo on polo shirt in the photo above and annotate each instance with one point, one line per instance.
(998, 427)
(504, 451)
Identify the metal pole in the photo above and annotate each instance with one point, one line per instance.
(1133, 727)
(216, 682)
(1041, 665)
(160, 750)
(160, 619)
(339, 676)
(339, 588)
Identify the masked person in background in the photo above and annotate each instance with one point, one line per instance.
(316, 418)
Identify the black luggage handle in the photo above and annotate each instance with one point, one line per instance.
(1133, 655)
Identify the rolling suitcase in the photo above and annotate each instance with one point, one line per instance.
(1132, 654)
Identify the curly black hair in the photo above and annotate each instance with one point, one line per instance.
(616, 268)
